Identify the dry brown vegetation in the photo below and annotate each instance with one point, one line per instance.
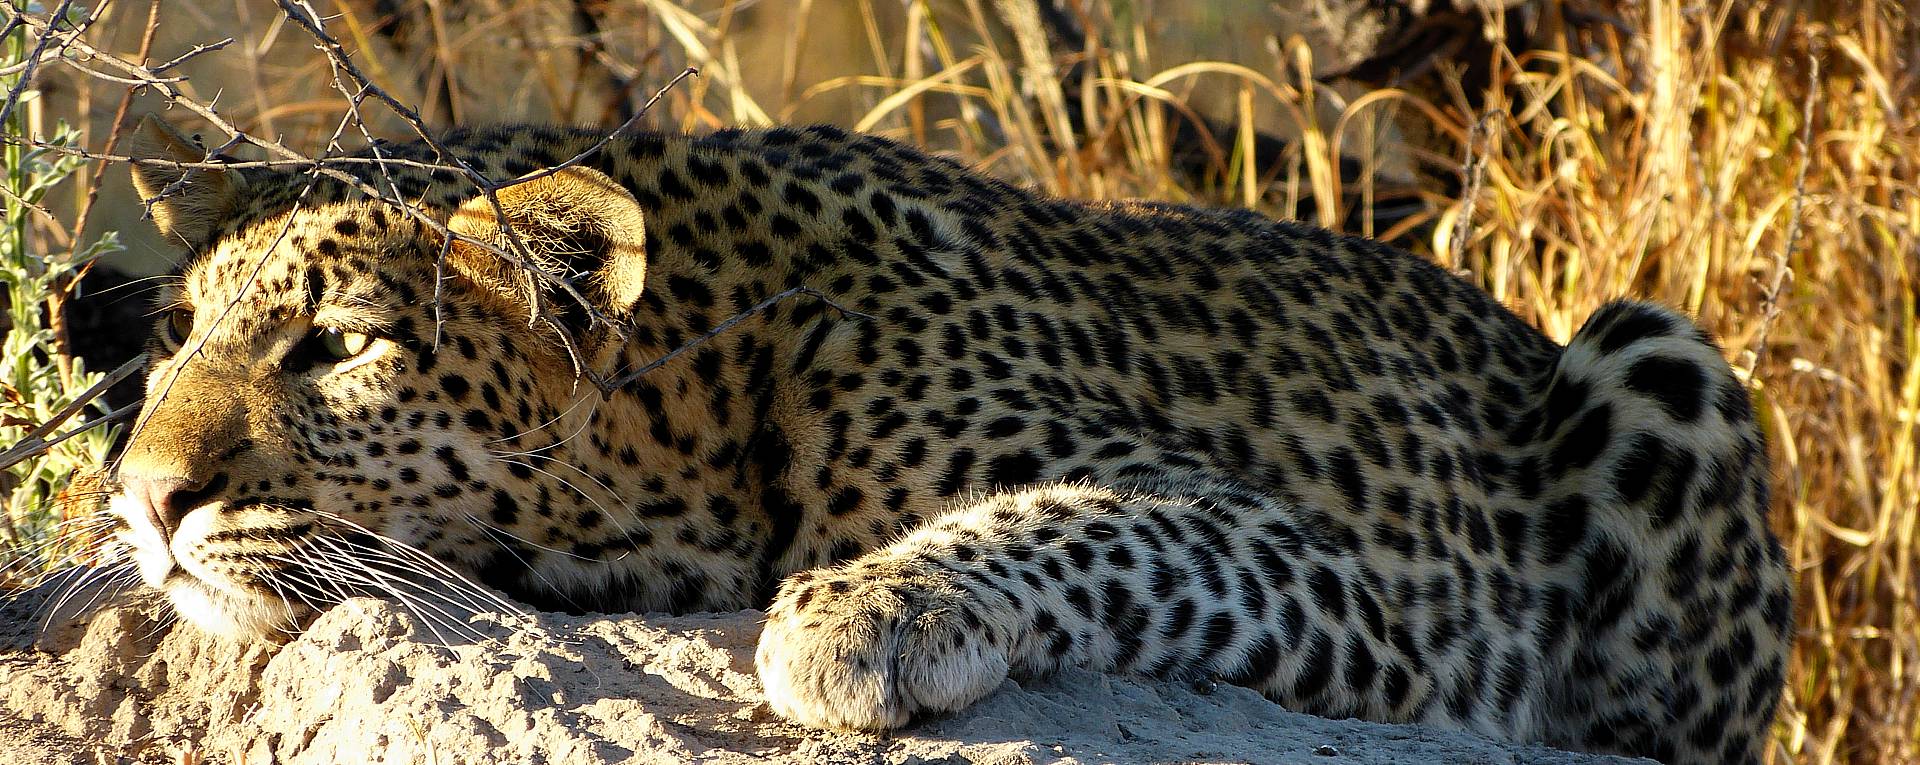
(1755, 163)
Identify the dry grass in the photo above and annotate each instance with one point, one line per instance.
(1694, 155)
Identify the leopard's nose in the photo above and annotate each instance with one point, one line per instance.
(166, 500)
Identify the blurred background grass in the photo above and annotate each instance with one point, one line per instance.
(1752, 162)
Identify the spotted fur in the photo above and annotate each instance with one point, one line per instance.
(1130, 437)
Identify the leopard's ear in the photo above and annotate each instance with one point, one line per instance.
(188, 204)
(577, 224)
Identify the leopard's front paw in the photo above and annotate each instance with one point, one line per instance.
(867, 647)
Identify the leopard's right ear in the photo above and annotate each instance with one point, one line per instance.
(578, 225)
(188, 203)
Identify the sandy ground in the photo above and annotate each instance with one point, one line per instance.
(366, 684)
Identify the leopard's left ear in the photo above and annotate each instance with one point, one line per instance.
(188, 204)
(578, 224)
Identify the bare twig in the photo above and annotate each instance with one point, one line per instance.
(297, 164)
(516, 253)
(1473, 172)
(357, 88)
(439, 264)
(303, 15)
(35, 443)
(609, 386)
(179, 184)
(47, 35)
(166, 88)
(24, 64)
(24, 204)
(1782, 268)
(29, 448)
(608, 138)
(113, 136)
(184, 57)
(305, 19)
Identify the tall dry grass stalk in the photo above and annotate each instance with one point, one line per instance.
(1686, 153)
(1756, 166)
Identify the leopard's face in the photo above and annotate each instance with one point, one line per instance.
(303, 437)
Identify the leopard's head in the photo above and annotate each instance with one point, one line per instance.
(342, 398)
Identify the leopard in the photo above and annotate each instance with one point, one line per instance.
(946, 432)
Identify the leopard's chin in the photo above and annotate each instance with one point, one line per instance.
(236, 616)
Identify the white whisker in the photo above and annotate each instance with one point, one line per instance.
(334, 567)
(101, 580)
(609, 515)
(484, 526)
(584, 422)
(162, 622)
(439, 568)
(434, 618)
(456, 595)
(49, 568)
(291, 621)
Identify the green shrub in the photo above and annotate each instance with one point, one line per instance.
(38, 382)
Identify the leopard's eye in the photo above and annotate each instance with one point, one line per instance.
(179, 326)
(336, 345)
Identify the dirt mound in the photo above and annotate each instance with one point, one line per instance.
(368, 684)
